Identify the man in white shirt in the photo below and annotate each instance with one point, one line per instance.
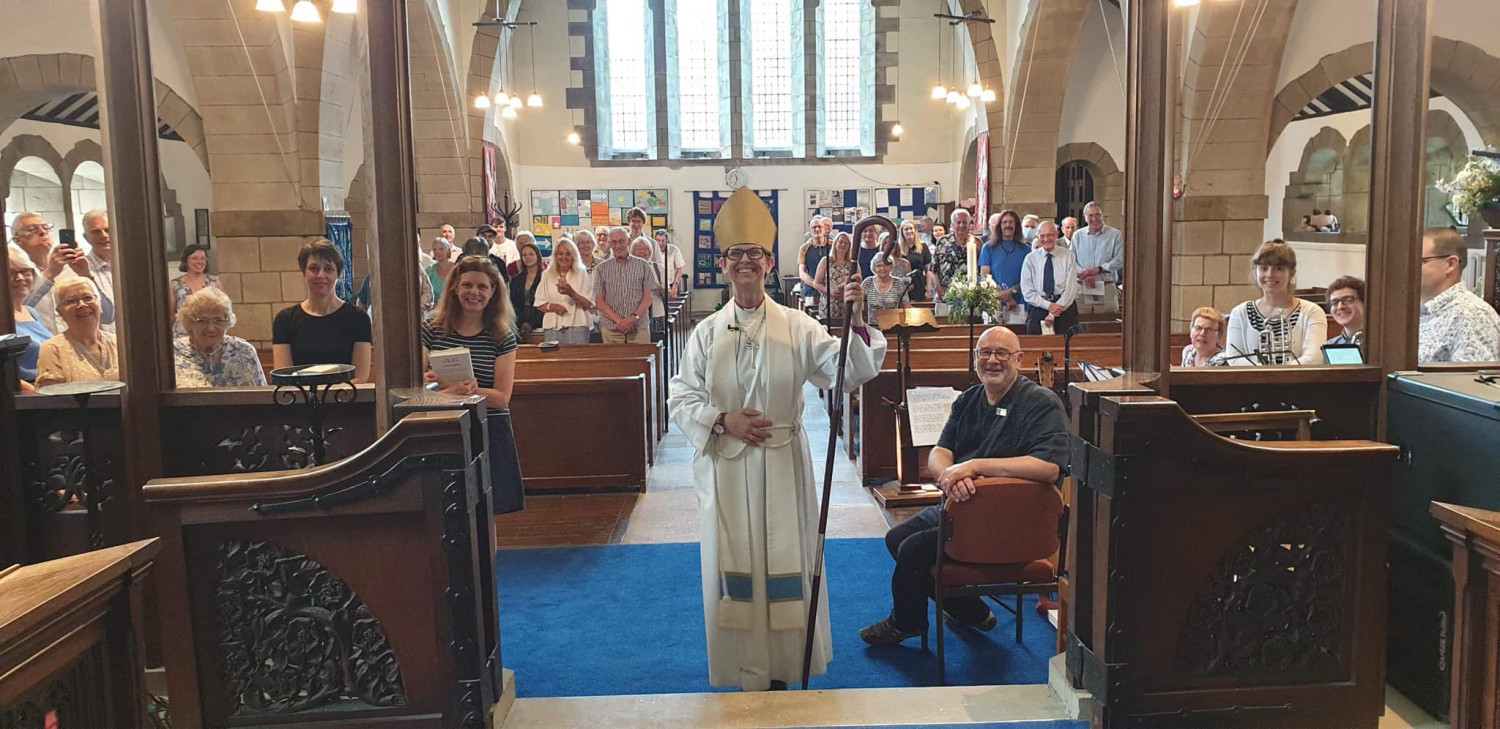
(666, 258)
(1099, 251)
(1456, 325)
(502, 247)
(33, 235)
(1049, 284)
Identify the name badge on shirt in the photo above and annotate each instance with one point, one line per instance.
(1001, 412)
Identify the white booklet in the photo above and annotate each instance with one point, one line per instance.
(452, 365)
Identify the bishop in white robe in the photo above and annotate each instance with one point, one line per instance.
(738, 398)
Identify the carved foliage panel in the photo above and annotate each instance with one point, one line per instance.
(79, 697)
(294, 637)
(1273, 607)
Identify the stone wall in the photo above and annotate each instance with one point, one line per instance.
(257, 259)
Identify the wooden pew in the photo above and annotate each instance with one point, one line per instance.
(71, 639)
(581, 434)
(615, 351)
(1184, 531)
(551, 369)
(374, 565)
(1475, 537)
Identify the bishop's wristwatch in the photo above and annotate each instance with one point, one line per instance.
(719, 424)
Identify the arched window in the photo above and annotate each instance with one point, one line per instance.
(687, 62)
(1075, 188)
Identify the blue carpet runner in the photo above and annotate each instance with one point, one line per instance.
(628, 619)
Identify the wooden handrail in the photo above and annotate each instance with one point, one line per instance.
(418, 434)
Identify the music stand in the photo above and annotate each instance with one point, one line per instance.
(903, 323)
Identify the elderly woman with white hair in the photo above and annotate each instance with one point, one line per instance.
(207, 356)
(27, 320)
(83, 351)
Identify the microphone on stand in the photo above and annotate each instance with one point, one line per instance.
(1256, 357)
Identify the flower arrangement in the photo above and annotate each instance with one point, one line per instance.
(1476, 186)
(965, 299)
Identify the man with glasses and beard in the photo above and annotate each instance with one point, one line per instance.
(738, 399)
(1004, 426)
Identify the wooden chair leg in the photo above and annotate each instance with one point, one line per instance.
(1019, 614)
(942, 669)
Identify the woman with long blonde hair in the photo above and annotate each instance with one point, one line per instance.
(474, 314)
(563, 296)
(834, 271)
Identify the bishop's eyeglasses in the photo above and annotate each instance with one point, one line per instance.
(754, 254)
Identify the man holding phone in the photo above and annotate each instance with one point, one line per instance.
(33, 235)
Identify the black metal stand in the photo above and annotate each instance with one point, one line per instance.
(315, 382)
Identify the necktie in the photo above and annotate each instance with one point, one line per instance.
(1049, 280)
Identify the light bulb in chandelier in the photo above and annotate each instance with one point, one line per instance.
(975, 91)
(270, 6)
(345, 7)
(481, 102)
(514, 103)
(502, 98)
(305, 12)
(988, 96)
(508, 112)
(939, 92)
(573, 138)
(897, 130)
(534, 100)
(962, 103)
(1184, 3)
(953, 97)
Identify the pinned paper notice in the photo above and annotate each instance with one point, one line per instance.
(928, 408)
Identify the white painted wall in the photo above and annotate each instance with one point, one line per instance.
(1094, 109)
(1322, 27)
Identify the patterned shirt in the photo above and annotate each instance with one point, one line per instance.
(949, 258)
(1190, 357)
(1458, 326)
(622, 284)
(233, 364)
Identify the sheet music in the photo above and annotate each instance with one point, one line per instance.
(927, 409)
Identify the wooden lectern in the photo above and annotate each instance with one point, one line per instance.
(903, 323)
(70, 639)
(1475, 534)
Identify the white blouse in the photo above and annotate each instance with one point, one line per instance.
(546, 293)
(1303, 332)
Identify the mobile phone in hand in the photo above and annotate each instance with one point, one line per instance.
(65, 237)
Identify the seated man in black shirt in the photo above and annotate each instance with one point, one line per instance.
(1004, 426)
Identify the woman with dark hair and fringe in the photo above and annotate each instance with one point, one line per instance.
(523, 288)
(195, 277)
(475, 314)
(322, 329)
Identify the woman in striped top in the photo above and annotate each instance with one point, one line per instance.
(884, 291)
(475, 314)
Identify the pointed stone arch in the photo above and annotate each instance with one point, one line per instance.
(1109, 179)
(30, 145)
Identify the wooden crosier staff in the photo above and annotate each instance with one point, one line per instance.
(836, 417)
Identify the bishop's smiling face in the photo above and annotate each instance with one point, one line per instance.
(747, 270)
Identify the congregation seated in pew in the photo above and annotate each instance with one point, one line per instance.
(84, 351)
(1005, 426)
(322, 329)
(28, 320)
(1278, 328)
(207, 355)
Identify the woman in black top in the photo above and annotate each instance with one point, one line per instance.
(918, 259)
(523, 289)
(474, 315)
(323, 329)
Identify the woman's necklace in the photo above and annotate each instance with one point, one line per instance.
(97, 356)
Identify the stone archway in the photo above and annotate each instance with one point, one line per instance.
(1460, 71)
(991, 75)
(1109, 179)
(31, 145)
(1317, 183)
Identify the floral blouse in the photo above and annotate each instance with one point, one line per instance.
(234, 364)
(831, 307)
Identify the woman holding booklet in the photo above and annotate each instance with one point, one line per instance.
(475, 316)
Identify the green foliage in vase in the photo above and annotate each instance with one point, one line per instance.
(966, 299)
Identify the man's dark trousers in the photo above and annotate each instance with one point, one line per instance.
(914, 544)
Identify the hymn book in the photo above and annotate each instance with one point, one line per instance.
(451, 365)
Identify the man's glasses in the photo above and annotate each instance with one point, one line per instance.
(754, 254)
(1343, 301)
(1004, 355)
(38, 228)
(1425, 259)
(219, 321)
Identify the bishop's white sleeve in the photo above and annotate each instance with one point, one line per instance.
(689, 401)
(821, 354)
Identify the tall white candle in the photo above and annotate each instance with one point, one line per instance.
(973, 252)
